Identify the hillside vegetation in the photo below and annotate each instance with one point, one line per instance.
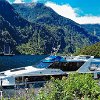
(66, 32)
(75, 87)
(93, 50)
(34, 29)
(92, 29)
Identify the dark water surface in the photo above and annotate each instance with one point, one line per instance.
(16, 61)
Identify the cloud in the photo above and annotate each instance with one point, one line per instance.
(73, 13)
(9, 1)
(34, 0)
(88, 20)
(18, 1)
(42, 1)
(64, 10)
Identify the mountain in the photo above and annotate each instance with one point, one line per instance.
(71, 34)
(92, 29)
(10, 23)
(93, 50)
(17, 24)
(5, 36)
(14, 30)
(34, 28)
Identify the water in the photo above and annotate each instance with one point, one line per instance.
(16, 61)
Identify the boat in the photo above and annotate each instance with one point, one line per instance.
(6, 51)
(55, 66)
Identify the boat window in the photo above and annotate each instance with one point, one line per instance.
(43, 65)
(17, 69)
(2, 74)
(67, 66)
(31, 79)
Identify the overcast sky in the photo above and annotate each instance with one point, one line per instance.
(81, 11)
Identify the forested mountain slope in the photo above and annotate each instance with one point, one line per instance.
(35, 28)
(92, 29)
(93, 50)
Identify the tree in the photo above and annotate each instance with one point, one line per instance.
(75, 87)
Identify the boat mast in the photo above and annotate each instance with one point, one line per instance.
(38, 40)
(4, 49)
(56, 50)
(94, 32)
(9, 50)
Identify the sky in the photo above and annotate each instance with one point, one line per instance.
(81, 11)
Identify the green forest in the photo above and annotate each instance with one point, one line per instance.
(93, 50)
(36, 29)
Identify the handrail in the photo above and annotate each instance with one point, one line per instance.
(85, 67)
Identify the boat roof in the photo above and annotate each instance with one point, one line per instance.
(53, 58)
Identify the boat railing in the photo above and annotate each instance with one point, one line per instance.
(78, 57)
(85, 67)
(35, 84)
(22, 83)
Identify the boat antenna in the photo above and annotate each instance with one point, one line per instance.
(55, 50)
(94, 32)
(38, 39)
